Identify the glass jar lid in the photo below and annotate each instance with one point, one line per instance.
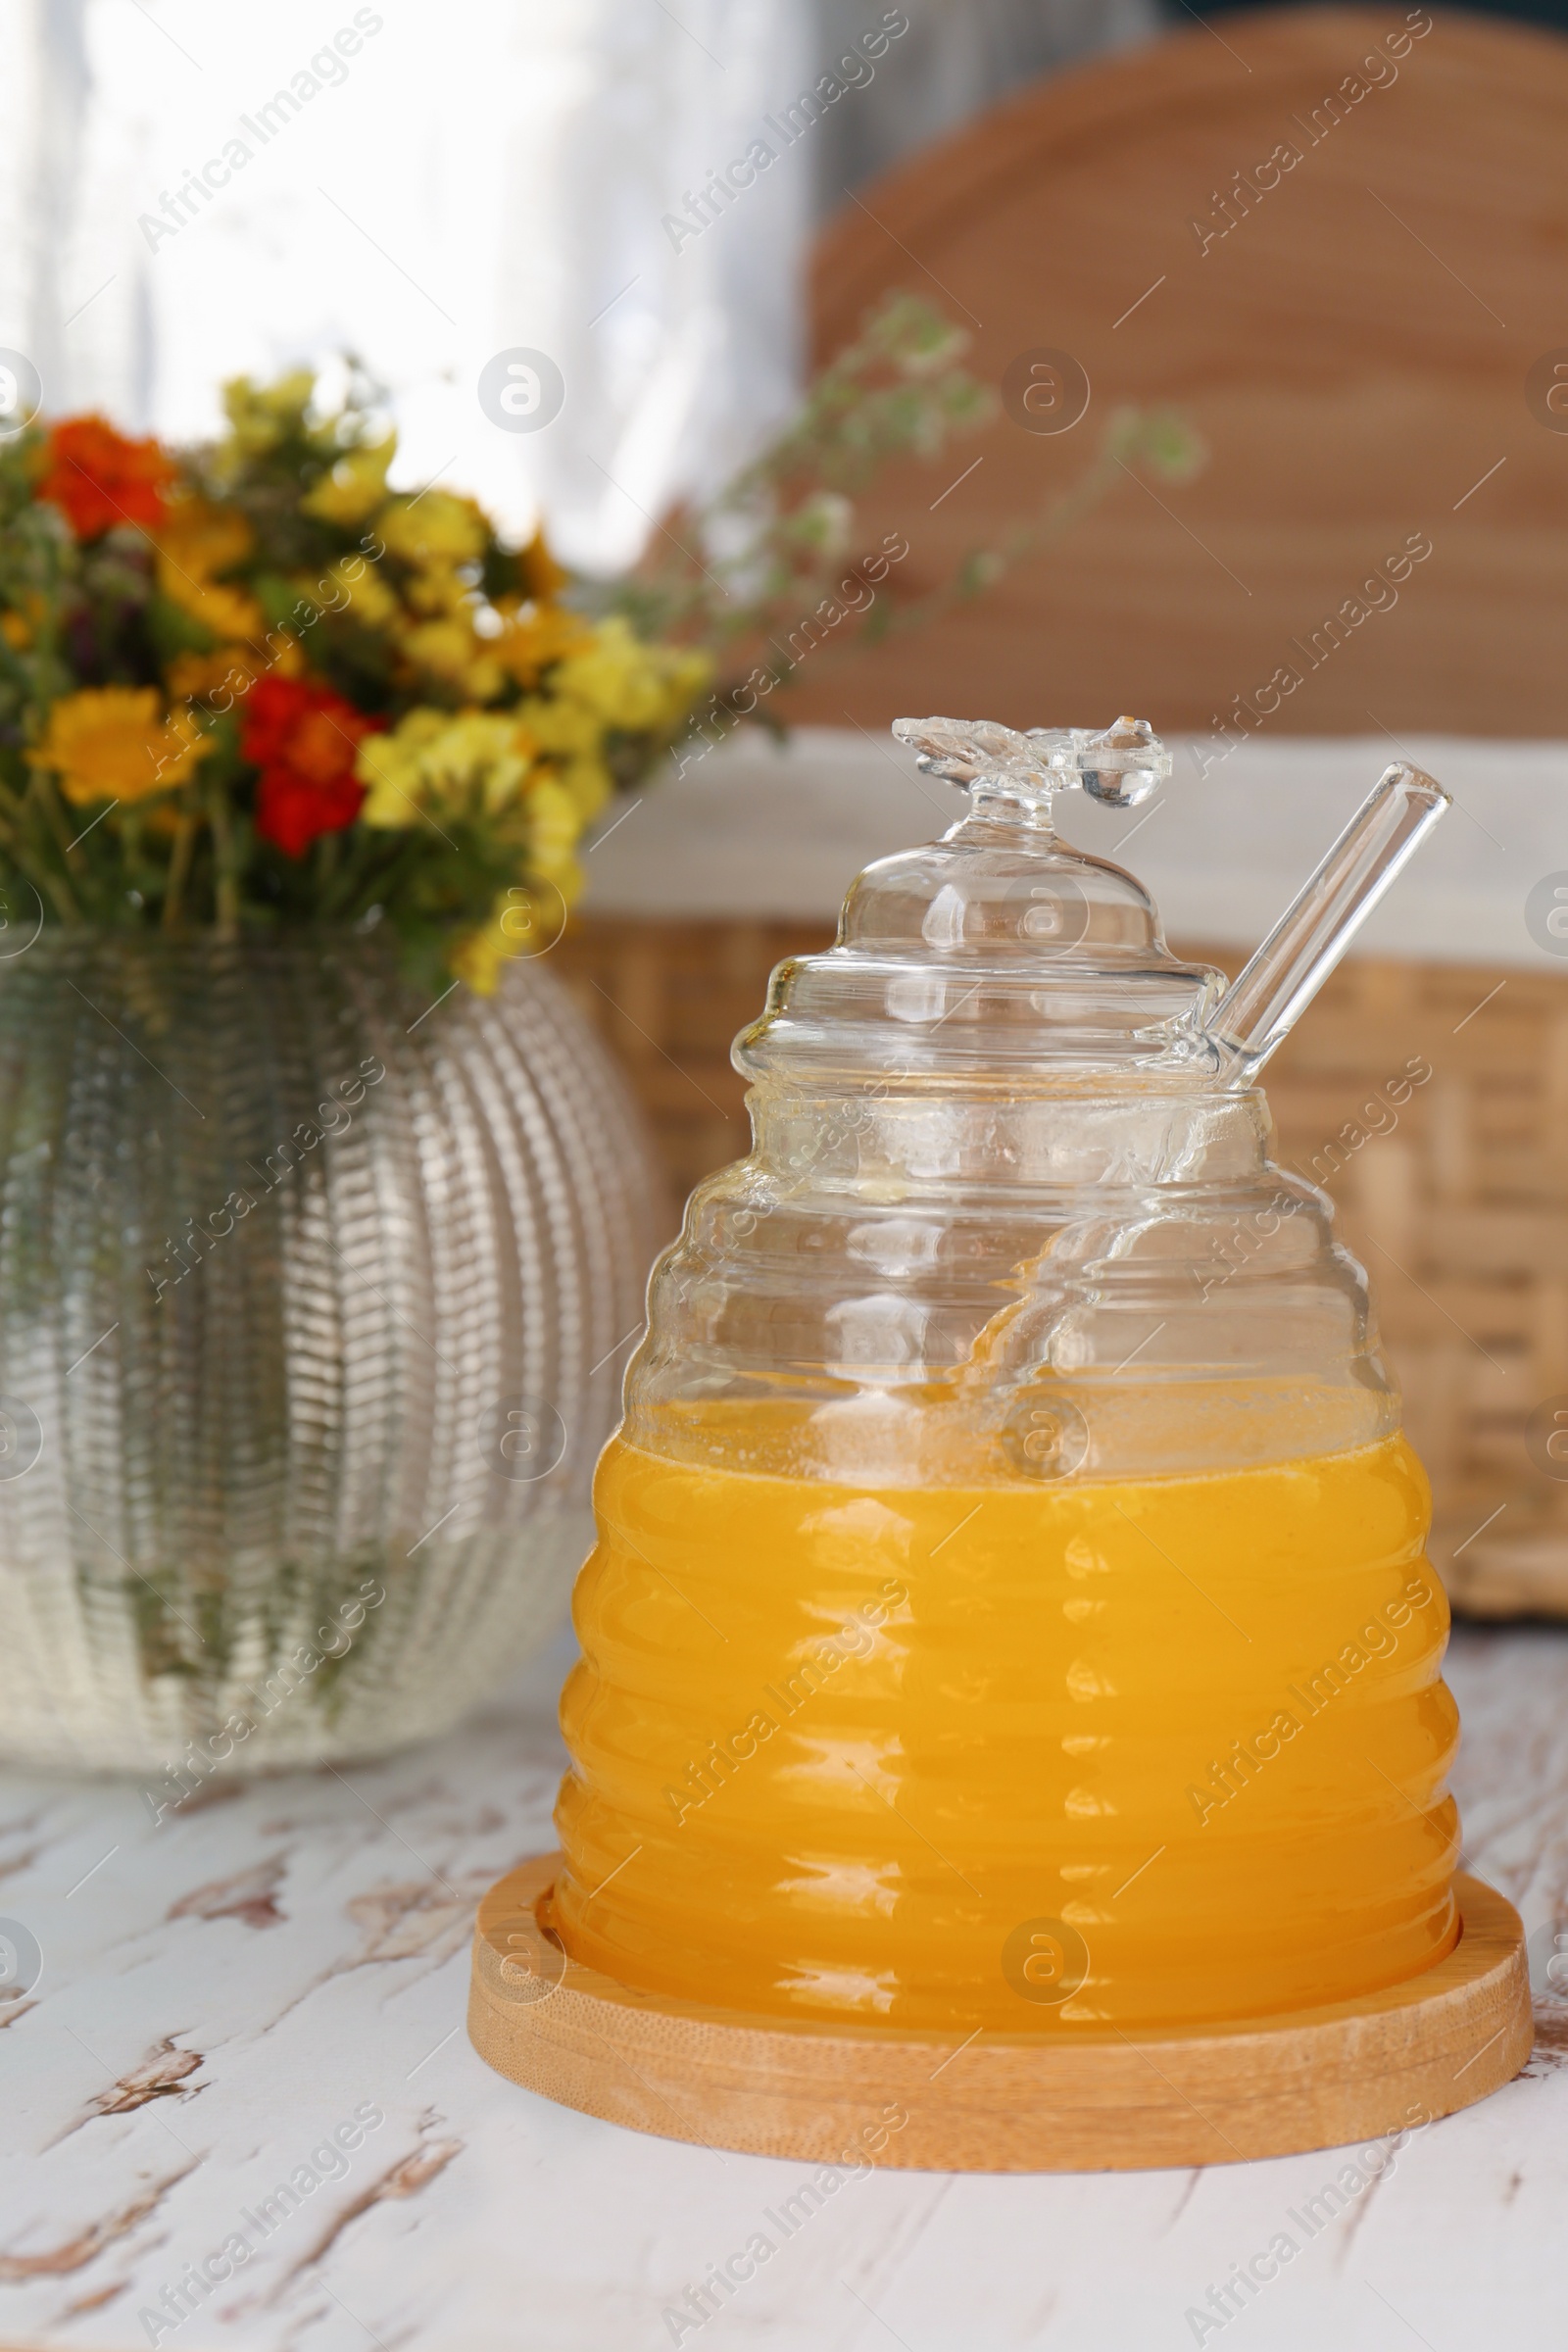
(1000, 953)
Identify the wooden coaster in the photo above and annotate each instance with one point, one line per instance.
(1106, 2102)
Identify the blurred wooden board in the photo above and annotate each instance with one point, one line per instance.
(1384, 2065)
(1353, 351)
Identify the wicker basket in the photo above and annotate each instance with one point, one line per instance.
(1454, 1198)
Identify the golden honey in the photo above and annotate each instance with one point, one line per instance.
(1028, 1756)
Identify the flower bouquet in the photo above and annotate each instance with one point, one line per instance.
(247, 687)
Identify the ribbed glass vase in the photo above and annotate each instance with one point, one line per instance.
(314, 1306)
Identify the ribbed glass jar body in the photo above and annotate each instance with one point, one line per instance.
(1008, 1606)
(310, 1306)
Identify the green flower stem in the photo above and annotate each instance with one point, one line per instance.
(42, 797)
(225, 864)
(188, 826)
(54, 816)
(369, 880)
(12, 839)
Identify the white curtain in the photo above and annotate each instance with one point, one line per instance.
(190, 191)
(433, 186)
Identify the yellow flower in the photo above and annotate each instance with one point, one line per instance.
(473, 761)
(369, 599)
(438, 589)
(451, 649)
(14, 631)
(480, 755)
(483, 680)
(433, 529)
(479, 957)
(388, 766)
(110, 743)
(227, 611)
(641, 689)
(544, 577)
(444, 648)
(261, 415)
(202, 538)
(355, 486)
(287, 655)
(227, 671)
(569, 728)
(572, 737)
(533, 636)
(555, 825)
(195, 541)
(588, 784)
(523, 921)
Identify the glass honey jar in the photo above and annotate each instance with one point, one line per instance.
(1009, 1608)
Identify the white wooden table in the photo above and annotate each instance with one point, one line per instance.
(222, 1996)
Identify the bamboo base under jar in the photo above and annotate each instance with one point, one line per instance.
(834, 2094)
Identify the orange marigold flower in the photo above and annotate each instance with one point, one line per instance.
(99, 478)
(112, 743)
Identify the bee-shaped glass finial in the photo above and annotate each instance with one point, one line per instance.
(1119, 766)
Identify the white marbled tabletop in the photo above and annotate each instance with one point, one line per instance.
(230, 2000)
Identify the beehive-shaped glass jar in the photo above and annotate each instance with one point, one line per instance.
(1008, 1608)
